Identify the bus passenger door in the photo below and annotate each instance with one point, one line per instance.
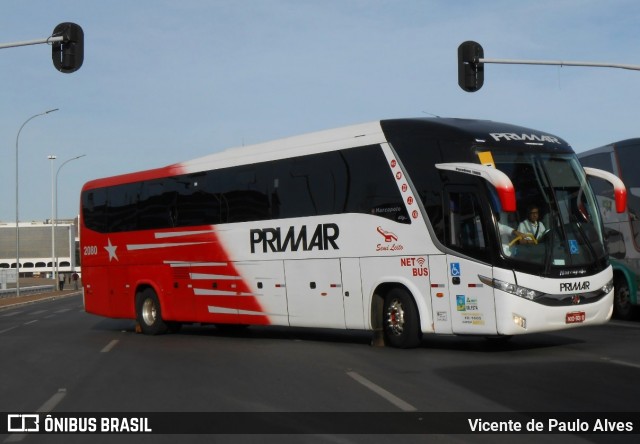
(314, 293)
(472, 303)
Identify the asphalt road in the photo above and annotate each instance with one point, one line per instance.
(56, 358)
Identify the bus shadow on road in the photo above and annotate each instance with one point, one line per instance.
(429, 342)
(497, 344)
(258, 332)
(254, 332)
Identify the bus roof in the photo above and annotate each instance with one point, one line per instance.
(474, 131)
(608, 147)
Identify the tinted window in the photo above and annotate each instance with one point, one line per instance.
(465, 222)
(371, 187)
(94, 209)
(601, 161)
(418, 155)
(157, 205)
(357, 180)
(122, 204)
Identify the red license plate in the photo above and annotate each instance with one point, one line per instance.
(575, 317)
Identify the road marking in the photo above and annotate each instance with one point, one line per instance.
(37, 312)
(8, 329)
(625, 363)
(63, 310)
(53, 401)
(15, 437)
(47, 407)
(393, 399)
(110, 346)
(30, 322)
(13, 313)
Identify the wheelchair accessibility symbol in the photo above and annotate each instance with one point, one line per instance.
(455, 268)
(573, 246)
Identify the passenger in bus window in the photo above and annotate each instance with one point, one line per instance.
(531, 229)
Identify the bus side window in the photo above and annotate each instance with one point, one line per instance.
(122, 203)
(372, 189)
(466, 231)
(94, 209)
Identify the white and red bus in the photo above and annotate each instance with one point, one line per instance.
(402, 227)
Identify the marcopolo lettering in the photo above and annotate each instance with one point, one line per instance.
(273, 240)
(574, 286)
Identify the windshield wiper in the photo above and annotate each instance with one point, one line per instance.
(585, 239)
(551, 241)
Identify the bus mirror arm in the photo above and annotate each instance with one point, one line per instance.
(495, 177)
(620, 191)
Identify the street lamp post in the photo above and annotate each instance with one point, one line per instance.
(17, 200)
(55, 218)
(52, 157)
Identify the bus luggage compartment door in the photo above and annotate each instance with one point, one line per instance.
(473, 308)
(314, 293)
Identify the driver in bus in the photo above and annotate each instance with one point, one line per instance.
(531, 229)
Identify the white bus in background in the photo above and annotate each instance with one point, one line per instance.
(622, 229)
(403, 227)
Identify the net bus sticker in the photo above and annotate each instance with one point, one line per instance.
(417, 265)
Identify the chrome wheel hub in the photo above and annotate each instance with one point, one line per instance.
(149, 312)
(395, 317)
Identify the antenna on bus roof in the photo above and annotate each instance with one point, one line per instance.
(429, 114)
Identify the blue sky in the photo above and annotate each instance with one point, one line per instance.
(165, 81)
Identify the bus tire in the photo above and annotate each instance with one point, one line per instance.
(401, 321)
(622, 307)
(149, 313)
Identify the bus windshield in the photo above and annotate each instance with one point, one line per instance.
(557, 223)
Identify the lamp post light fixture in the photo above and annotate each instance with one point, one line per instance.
(17, 200)
(51, 158)
(55, 217)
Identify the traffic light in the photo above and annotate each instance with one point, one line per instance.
(68, 54)
(470, 70)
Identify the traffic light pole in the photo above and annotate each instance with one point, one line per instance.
(471, 63)
(32, 42)
(67, 46)
(559, 63)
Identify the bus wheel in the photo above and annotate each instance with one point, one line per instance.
(148, 313)
(401, 321)
(622, 308)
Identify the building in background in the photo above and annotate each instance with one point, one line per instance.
(36, 249)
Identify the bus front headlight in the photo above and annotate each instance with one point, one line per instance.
(517, 290)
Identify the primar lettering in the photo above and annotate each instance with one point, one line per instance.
(323, 238)
(574, 286)
(524, 137)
